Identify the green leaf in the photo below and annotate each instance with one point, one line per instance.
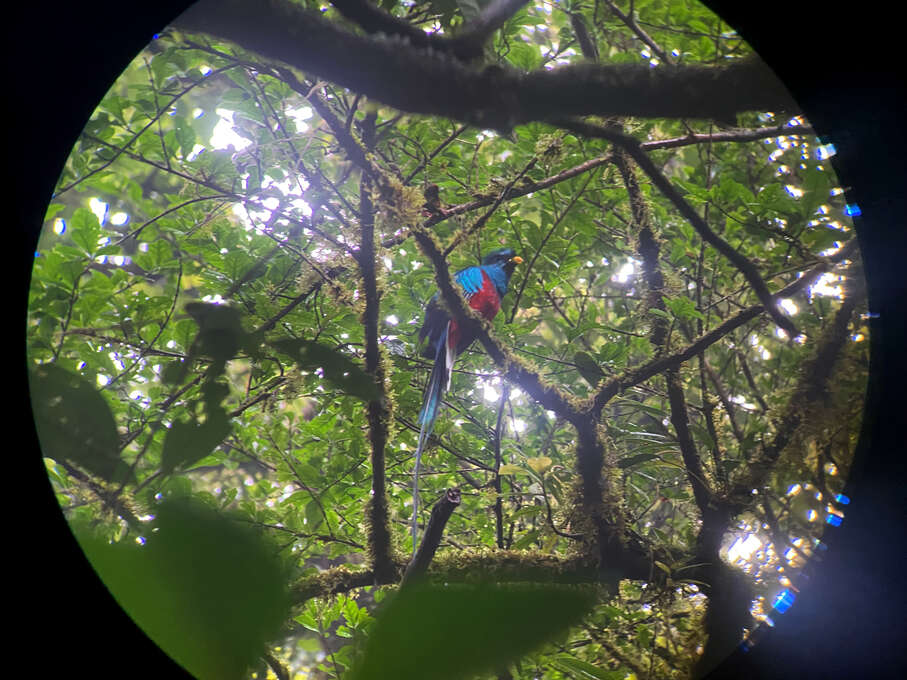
(682, 307)
(526, 540)
(539, 463)
(220, 335)
(188, 442)
(585, 671)
(625, 463)
(208, 590)
(338, 369)
(644, 635)
(74, 423)
(465, 629)
(52, 210)
(470, 9)
(510, 469)
(588, 368)
(313, 516)
(84, 230)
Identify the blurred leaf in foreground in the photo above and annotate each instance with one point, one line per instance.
(207, 589)
(432, 632)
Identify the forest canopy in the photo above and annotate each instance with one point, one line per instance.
(634, 461)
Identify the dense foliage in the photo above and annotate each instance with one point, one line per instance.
(224, 309)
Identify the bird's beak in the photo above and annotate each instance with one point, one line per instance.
(516, 259)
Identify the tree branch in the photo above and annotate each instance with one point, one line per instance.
(680, 420)
(431, 538)
(811, 387)
(391, 70)
(630, 22)
(378, 410)
(657, 365)
(466, 46)
(747, 268)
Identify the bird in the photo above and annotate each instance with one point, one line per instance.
(443, 340)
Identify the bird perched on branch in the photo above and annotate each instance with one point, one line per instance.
(482, 287)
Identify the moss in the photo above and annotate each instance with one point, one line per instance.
(397, 204)
(327, 582)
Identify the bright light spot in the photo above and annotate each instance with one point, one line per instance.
(841, 498)
(118, 219)
(833, 510)
(795, 121)
(490, 394)
(299, 117)
(743, 548)
(625, 272)
(195, 152)
(99, 208)
(837, 191)
(223, 136)
(205, 69)
(788, 306)
(140, 540)
(646, 54)
(827, 285)
(518, 425)
(389, 263)
(59, 225)
(392, 320)
(103, 380)
(853, 210)
(781, 333)
(215, 299)
(825, 151)
(796, 192)
(812, 515)
(741, 401)
(784, 601)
